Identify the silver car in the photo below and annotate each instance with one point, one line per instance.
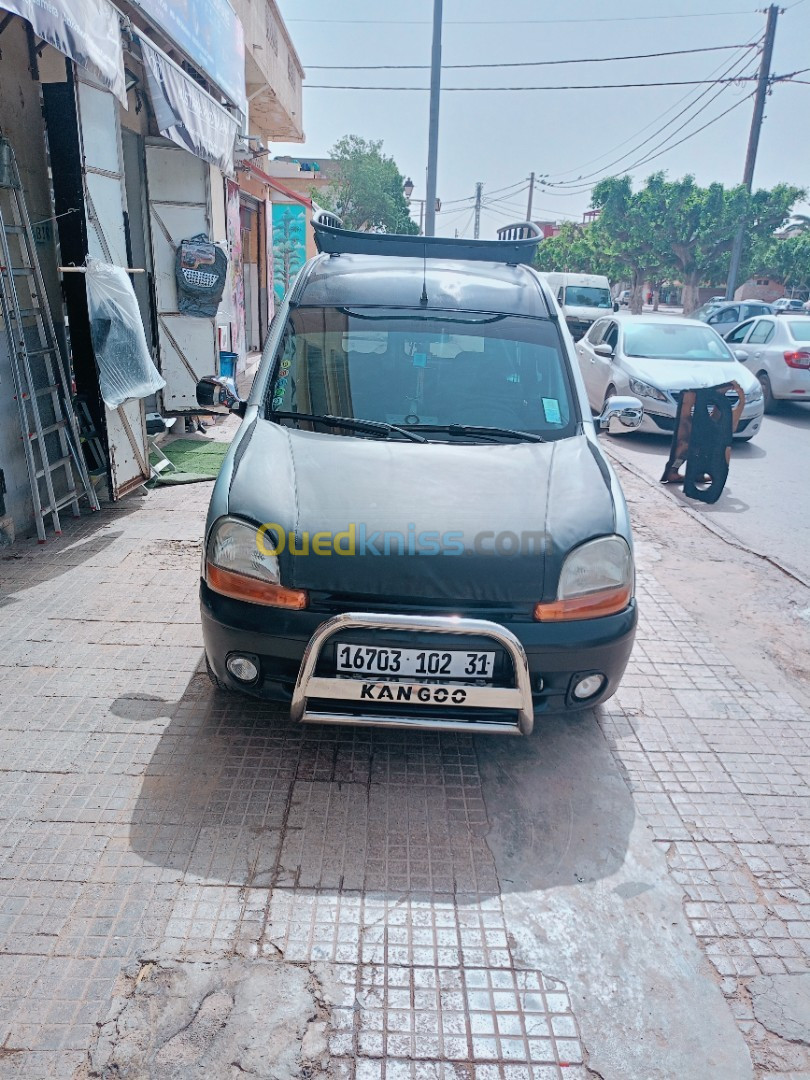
(655, 358)
(724, 315)
(787, 303)
(777, 350)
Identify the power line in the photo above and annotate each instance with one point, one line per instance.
(691, 135)
(605, 168)
(753, 42)
(510, 89)
(521, 63)
(526, 22)
(471, 198)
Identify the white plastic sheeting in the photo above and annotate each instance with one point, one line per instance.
(125, 368)
(85, 30)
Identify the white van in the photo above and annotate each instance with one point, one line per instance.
(584, 298)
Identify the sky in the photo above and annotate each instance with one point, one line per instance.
(500, 137)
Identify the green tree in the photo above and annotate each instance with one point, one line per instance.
(703, 222)
(787, 259)
(675, 228)
(632, 232)
(575, 249)
(366, 193)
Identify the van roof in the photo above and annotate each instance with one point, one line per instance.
(353, 280)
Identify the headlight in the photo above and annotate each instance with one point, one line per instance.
(754, 395)
(596, 579)
(643, 389)
(236, 565)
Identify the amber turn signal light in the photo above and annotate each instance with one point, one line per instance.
(591, 606)
(241, 587)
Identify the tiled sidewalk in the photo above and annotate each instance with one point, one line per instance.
(144, 816)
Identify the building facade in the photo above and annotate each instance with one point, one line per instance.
(141, 139)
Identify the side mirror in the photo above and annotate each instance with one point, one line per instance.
(621, 413)
(615, 305)
(741, 355)
(603, 349)
(218, 395)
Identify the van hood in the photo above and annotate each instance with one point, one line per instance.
(395, 504)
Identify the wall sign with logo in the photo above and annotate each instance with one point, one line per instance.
(210, 34)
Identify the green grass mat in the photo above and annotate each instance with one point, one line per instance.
(195, 460)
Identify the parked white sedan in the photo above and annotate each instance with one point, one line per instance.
(777, 350)
(655, 358)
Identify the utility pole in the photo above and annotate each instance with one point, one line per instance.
(433, 131)
(479, 187)
(531, 198)
(753, 142)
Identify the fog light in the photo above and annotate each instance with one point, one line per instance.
(589, 686)
(242, 668)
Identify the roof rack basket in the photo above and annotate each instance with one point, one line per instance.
(516, 244)
(521, 230)
(325, 217)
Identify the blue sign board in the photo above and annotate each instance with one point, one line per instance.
(210, 34)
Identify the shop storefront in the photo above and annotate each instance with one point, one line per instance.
(124, 156)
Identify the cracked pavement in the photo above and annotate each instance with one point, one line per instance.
(192, 885)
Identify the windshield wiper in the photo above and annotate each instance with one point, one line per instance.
(352, 423)
(485, 432)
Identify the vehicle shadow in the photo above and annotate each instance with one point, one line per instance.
(657, 446)
(237, 794)
(789, 414)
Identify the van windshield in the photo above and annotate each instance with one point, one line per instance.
(586, 296)
(423, 368)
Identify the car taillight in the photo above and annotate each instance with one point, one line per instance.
(798, 359)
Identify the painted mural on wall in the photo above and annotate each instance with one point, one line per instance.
(289, 245)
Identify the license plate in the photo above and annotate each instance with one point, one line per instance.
(432, 663)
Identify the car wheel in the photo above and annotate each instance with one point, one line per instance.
(217, 683)
(771, 404)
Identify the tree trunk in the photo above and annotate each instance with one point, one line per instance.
(656, 299)
(637, 296)
(637, 293)
(690, 296)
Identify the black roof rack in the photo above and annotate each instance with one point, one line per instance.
(517, 248)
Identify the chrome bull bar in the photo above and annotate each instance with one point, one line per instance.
(517, 698)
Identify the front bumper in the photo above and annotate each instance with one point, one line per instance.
(663, 423)
(579, 327)
(556, 656)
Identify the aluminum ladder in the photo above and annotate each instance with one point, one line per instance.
(50, 431)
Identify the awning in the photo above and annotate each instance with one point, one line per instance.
(185, 113)
(85, 30)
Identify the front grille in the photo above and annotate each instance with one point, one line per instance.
(578, 327)
(732, 396)
(338, 603)
(665, 423)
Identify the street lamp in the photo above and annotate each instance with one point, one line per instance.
(407, 191)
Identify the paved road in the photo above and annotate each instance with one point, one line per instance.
(622, 895)
(766, 501)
